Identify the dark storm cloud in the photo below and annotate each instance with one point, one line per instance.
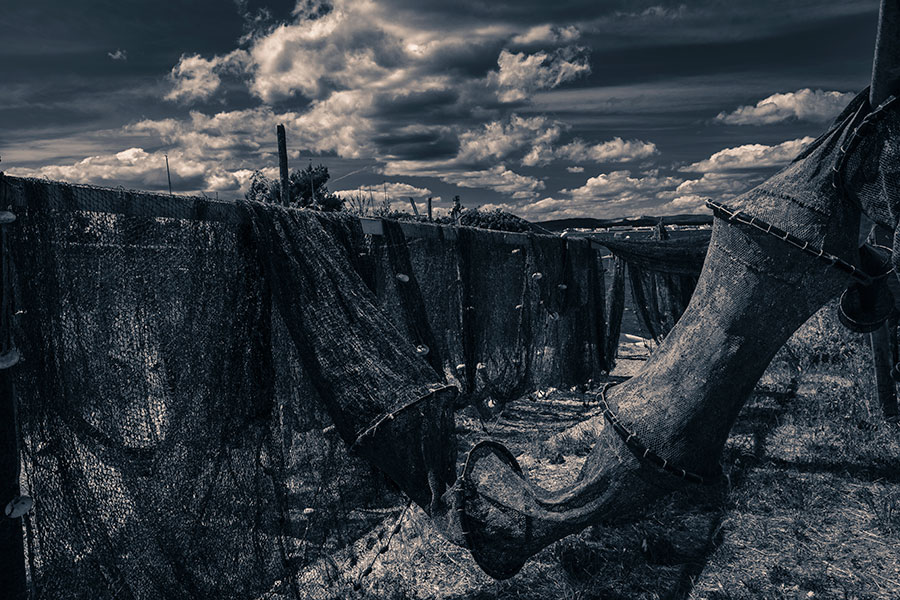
(416, 143)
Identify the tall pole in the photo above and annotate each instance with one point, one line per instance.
(886, 65)
(885, 80)
(168, 176)
(283, 166)
(429, 209)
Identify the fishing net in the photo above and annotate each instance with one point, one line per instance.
(662, 275)
(498, 313)
(215, 399)
(776, 254)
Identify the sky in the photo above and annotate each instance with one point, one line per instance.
(594, 108)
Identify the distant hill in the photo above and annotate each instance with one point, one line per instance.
(641, 221)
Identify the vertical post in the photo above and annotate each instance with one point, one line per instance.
(12, 549)
(430, 218)
(886, 391)
(886, 65)
(283, 166)
(168, 176)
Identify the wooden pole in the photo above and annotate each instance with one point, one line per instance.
(429, 209)
(415, 208)
(168, 176)
(886, 391)
(881, 342)
(886, 65)
(283, 166)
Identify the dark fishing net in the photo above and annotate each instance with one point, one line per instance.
(615, 300)
(169, 397)
(207, 388)
(662, 275)
(501, 314)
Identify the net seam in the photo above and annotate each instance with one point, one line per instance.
(642, 452)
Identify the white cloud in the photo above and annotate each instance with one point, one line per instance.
(536, 137)
(750, 156)
(119, 54)
(547, 34)
(520, 74)
(197, 78)
(806, 104)
(497, 140)
(621, 187)
(136, 167)
(614, 150)
(719, 185)
(337, 124)
(497, 178)
(389, 189)
(575, 169)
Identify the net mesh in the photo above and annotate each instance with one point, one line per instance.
(662, 276)
(207, 389)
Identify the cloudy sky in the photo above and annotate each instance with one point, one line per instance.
(549, 109)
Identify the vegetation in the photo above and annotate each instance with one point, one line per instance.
(497, 220)
(308, 188)
(365, 204)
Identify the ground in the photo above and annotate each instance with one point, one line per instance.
(811, 508)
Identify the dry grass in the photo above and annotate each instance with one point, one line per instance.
(812, 509)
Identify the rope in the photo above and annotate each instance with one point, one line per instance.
(736, 216)
(853, 140)
(643, 452)
(838, 183)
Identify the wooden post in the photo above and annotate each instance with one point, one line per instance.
(415, 208)
(283, 166)
(12, 549)
(429, 209)
(886, 65)
(886, 392)
(168, 176)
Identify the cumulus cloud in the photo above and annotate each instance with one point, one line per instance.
(498, 140)
(197, 78)
(534, 141)
(750, 156)
(520, 74)
(497, 178)
(389, 189)
(806, 104)
(718, 185)
(614, 150)
(575, 169)
(118, 55)
(138, 168)
(622, 187)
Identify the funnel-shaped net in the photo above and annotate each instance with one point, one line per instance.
(669, 423)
